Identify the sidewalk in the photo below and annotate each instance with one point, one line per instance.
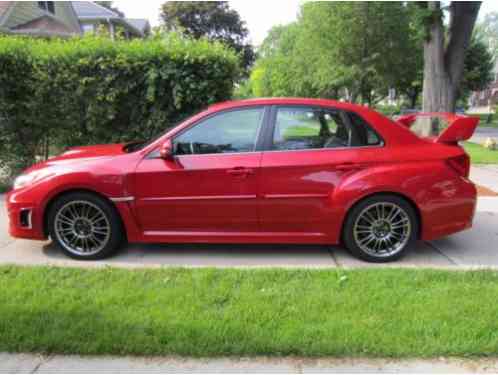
(32, 363)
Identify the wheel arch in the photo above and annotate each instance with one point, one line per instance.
(62, 193)
(405, 197)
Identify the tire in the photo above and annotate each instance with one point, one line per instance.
(381, 228)
(85, 226)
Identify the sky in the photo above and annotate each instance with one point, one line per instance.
(259, 15)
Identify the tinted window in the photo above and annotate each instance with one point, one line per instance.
(308, 128)
(365, 134)
(228, 132)
(305, 128)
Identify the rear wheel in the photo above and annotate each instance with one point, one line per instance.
(381, 228)
(85, 226)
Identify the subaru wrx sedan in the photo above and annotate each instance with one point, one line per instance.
(295, 171)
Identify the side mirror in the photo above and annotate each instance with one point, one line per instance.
(166, 150)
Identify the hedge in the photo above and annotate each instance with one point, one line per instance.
(93, 90)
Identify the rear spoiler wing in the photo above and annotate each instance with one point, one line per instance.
(460, 127)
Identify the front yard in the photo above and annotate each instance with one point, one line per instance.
(480, 155)
(209, 312)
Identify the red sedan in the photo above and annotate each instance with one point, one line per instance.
(299, 171)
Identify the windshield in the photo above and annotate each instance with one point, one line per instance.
(140, 145)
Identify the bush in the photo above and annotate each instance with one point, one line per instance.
(388, 109)
(93, 90)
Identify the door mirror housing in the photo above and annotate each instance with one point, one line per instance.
(166, 150)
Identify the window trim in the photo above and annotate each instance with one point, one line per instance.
(257, 146)
(268, 136)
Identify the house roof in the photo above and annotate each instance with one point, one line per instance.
(91, 10)
(45, 23)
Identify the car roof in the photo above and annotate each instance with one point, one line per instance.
(288, 101)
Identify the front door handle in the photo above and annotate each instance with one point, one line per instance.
(347, 166)
(240, 171)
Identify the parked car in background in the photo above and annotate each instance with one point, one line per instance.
(299, 171)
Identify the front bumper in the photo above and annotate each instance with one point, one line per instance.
(25, 218)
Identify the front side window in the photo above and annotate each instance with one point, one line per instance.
(228, 132)
(304, 128)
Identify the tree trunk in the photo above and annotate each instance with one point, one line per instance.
(443, 66)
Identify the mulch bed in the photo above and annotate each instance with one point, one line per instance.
(485, 192)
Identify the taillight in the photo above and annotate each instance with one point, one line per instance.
(460, 164)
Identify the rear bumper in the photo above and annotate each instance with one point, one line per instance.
(449, 211)
(25, 218)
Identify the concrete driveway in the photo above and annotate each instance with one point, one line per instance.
(477, 247)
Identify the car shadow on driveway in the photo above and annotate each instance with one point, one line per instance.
(236, 255)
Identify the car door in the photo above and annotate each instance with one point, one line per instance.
(308, 152)
(211, 184)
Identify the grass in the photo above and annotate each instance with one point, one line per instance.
(481, 155)
(209, 312)
(484, 120)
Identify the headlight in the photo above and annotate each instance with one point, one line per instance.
(29, 178)
(23, 180)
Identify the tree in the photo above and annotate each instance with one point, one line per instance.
(487, 32)
(444, 56)
(356, 50)
(478, 68)
(210, 19)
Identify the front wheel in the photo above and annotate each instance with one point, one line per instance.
(381, 228)
(85, 226)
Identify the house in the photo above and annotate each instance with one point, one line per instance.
(39, 18)
(485, 101)
(92, 16)
(66, 19)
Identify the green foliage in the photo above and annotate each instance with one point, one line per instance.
(354, 50)
(388, 110)
(214, 20)
(478, 69)
(487, 31)
(93, 90)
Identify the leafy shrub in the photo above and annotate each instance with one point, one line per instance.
(93, 90)
(388, 109)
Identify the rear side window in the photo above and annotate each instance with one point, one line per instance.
(367, 136)
(302, 128)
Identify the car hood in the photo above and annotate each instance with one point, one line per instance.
(83, 155)
(90, 152)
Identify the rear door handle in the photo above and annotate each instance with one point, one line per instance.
(240, 171)
(347, 166)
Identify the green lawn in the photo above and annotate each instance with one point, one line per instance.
(208, 312)
(480, 155)
(484, 120)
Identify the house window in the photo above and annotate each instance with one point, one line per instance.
(87, 28)
(47, 6)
